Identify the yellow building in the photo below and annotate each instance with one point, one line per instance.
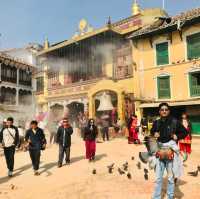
(167, 57)
(75, 73)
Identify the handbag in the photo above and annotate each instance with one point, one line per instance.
(165, 154)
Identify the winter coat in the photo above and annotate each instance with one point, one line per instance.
(167, 127)
(90, 134)
(36, 140)
(64, 136)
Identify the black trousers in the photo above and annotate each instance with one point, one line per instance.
(105, 133)
(63, 151)
(35, 158)
(9, 153)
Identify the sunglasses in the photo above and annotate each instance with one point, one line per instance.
(164, 109)
(65, 121)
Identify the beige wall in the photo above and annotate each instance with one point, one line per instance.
(147, 71)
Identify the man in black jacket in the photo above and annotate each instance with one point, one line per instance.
(64, 140)
(168, 131)
(9, 137)
(36, 141)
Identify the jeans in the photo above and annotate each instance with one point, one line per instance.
(35, 158)
(9, 153)
(63, 150)
(160, 168)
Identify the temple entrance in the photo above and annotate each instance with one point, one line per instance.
(75, 109)
(106, 102)
(56, 112)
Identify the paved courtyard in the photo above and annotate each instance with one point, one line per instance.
(77, 181)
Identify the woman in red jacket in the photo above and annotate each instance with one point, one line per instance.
(185, 144)
(90, 134)
(133, 130)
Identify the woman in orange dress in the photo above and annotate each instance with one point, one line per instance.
(185, 144)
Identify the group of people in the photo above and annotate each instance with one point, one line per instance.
(35, 141)
(173, 137)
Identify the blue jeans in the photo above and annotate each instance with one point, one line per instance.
(160, 168)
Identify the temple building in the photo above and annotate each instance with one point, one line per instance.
(94, 64)
(167, 56)
(16, 89)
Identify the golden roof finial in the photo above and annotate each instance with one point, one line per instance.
(135, 8)
(46, 43)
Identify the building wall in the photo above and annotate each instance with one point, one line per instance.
(178, 68)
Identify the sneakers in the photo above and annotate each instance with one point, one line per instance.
(10, 173)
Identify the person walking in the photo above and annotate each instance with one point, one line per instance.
(90, 135)
(168, 131)
(64, 140)
(36, 142)
(9, 138)
(105, 126)
(52, 127)
(185, 144)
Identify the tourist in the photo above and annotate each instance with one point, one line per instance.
(105, 126)
(168, 131)
(133, 130)
(36, 142)
(185, 144)
(90, 135)
(52, 128)
(64, 140)
(21, 137)
(144, 125)
(82, 123)
(9, 138)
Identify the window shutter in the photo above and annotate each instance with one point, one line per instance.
(163, 87)
(193, 46)
(162, 53)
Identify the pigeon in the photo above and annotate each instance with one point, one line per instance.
(111, 166)
(193, 173)
(146, 171)
(121, 172)
(129, 175)
(125, 166)
(110, 170)
(132, 158)
(139, 165)
(198, 168)
(146, 177)
(94, 171)
(12, 186)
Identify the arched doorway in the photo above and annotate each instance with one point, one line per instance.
(25, 97)
(56, 112)
(75, 109)
(8, 95)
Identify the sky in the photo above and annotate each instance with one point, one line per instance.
(25, 21)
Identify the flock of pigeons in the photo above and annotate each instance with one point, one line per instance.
(124, 169)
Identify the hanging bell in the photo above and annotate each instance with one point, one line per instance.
(105, 103)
